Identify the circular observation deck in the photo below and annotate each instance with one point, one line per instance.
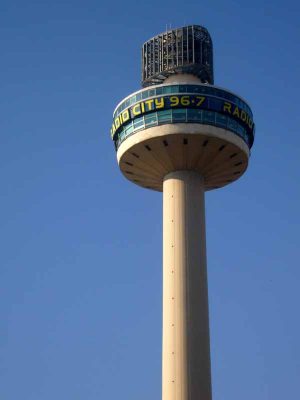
(183, 126)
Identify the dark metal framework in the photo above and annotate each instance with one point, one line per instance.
(184, 50)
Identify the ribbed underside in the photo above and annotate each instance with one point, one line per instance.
(219, 161)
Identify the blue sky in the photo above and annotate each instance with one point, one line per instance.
(81, 254)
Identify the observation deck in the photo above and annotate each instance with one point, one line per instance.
(183, 126)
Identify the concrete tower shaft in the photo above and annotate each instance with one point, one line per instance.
(186, 355)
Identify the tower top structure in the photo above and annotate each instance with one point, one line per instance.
(179, 120)
(186, 50)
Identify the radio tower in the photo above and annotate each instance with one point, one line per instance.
(183, 136)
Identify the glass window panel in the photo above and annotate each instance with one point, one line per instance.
(129, 129)
(138, 123)
(202, 89)
(159, 90)
(164, 116)
(167, 89)
(221, 120)
(174, 89)
(208, 117)
(179, 115)
(145, 94)
(241, 131)
(232, 124)
(213, 91)
(218, 92)
(132, 99)
(122, 134)
(151, 119)
(193, 89)
(245, 136)
(194, 115)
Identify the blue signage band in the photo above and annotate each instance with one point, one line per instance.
(206, 105)
(182, 116)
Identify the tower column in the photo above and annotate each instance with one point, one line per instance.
(186, 351)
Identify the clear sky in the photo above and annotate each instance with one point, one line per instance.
(81, 247)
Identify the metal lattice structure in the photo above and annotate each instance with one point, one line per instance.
(186, 50)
